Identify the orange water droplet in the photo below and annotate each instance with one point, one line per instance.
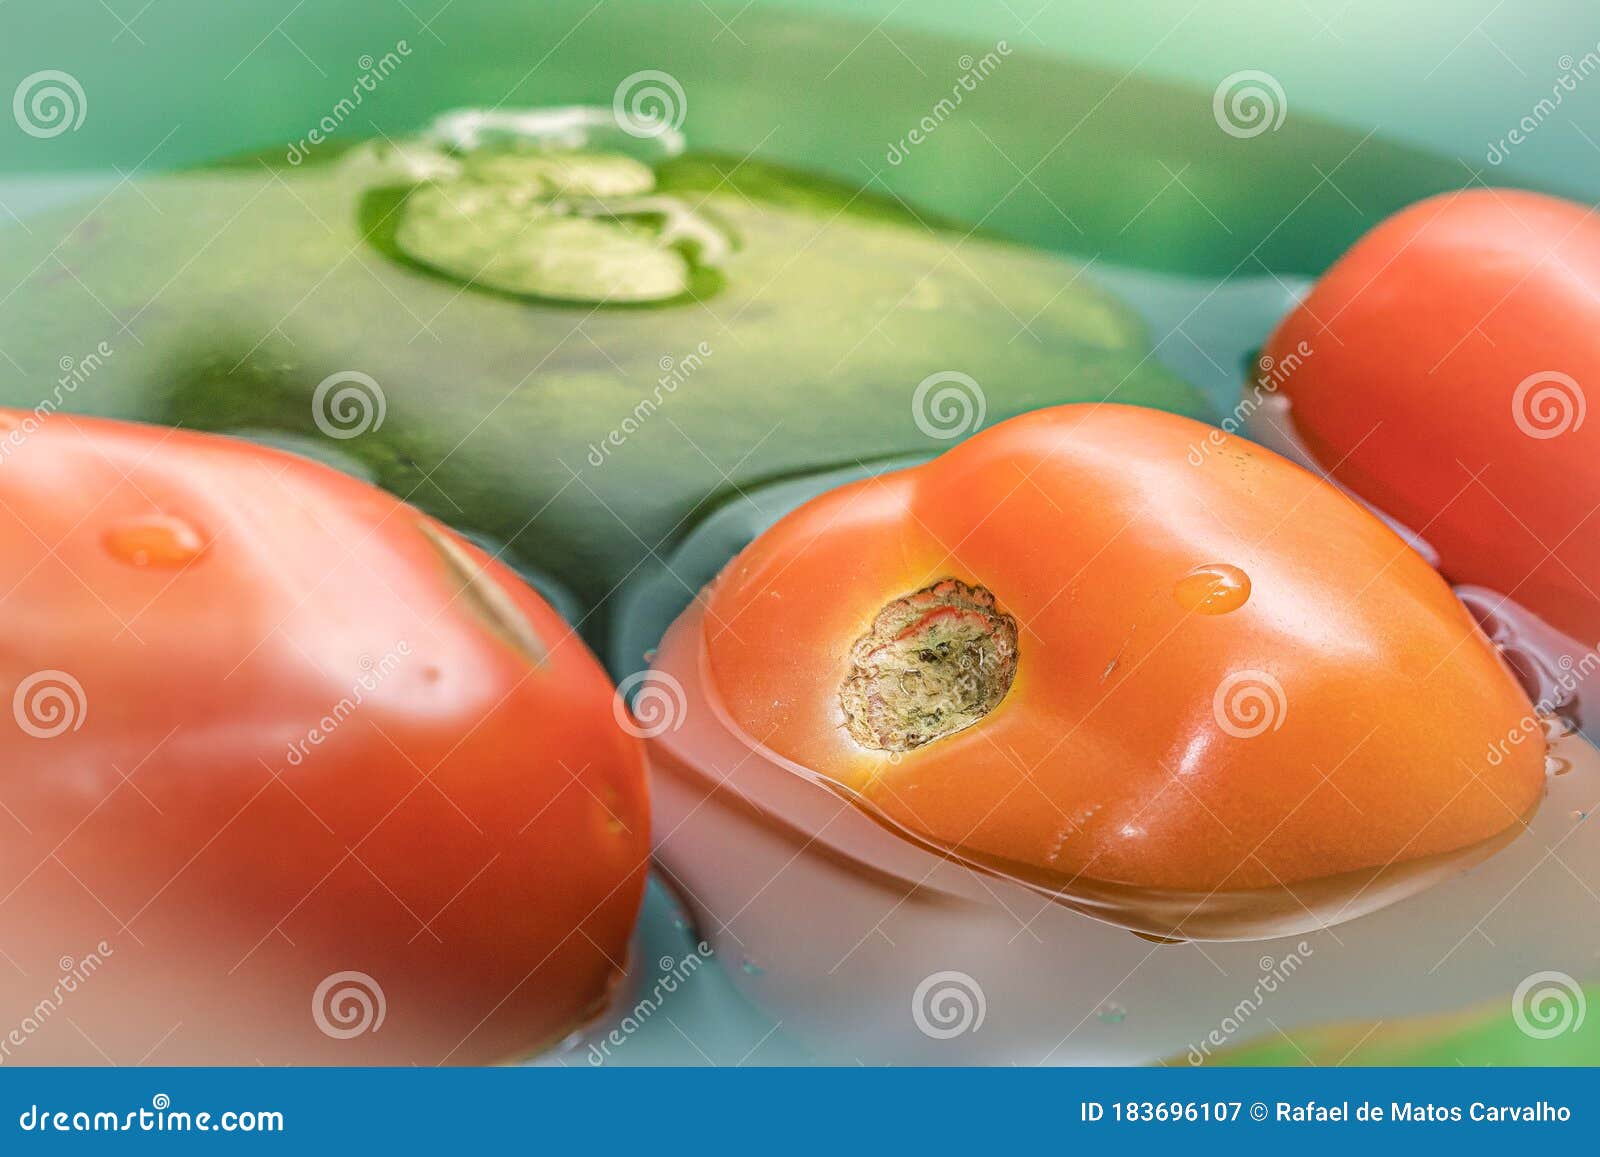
(1213, 589)
(611, 811)
(155, 540)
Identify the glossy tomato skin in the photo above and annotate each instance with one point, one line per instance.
(1450, 352)
(293, 774)
(1341, 717)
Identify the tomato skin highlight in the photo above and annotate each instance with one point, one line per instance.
(1111, 757)
(1451, 349)
(308, 735)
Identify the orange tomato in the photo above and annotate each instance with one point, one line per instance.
(292, 773)
(1443, 367)
(1066, 652)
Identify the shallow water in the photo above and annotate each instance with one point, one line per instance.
(1205, 328)
(848, 922)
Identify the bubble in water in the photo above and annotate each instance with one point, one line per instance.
(1111, 1013)
(1555, 727)
(1213, 589)
(554, 129)
(161, 540)
(750, 967)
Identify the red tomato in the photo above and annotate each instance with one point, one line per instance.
(1443, 376)
(1067, 651)
(292, 773)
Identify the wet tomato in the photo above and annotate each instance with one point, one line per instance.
(1440, 372)
(292, 772)
(1176, 681)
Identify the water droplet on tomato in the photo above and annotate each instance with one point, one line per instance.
(611, 811)
(162, 540)
(1213, 589)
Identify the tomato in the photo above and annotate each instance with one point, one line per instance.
(292, 773)
(1442, 375)
(1076, 651)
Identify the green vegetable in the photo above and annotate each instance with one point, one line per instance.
(560, 357)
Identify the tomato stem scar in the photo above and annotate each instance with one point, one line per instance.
(935, 661)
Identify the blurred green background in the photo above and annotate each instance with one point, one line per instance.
(1101, 112)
